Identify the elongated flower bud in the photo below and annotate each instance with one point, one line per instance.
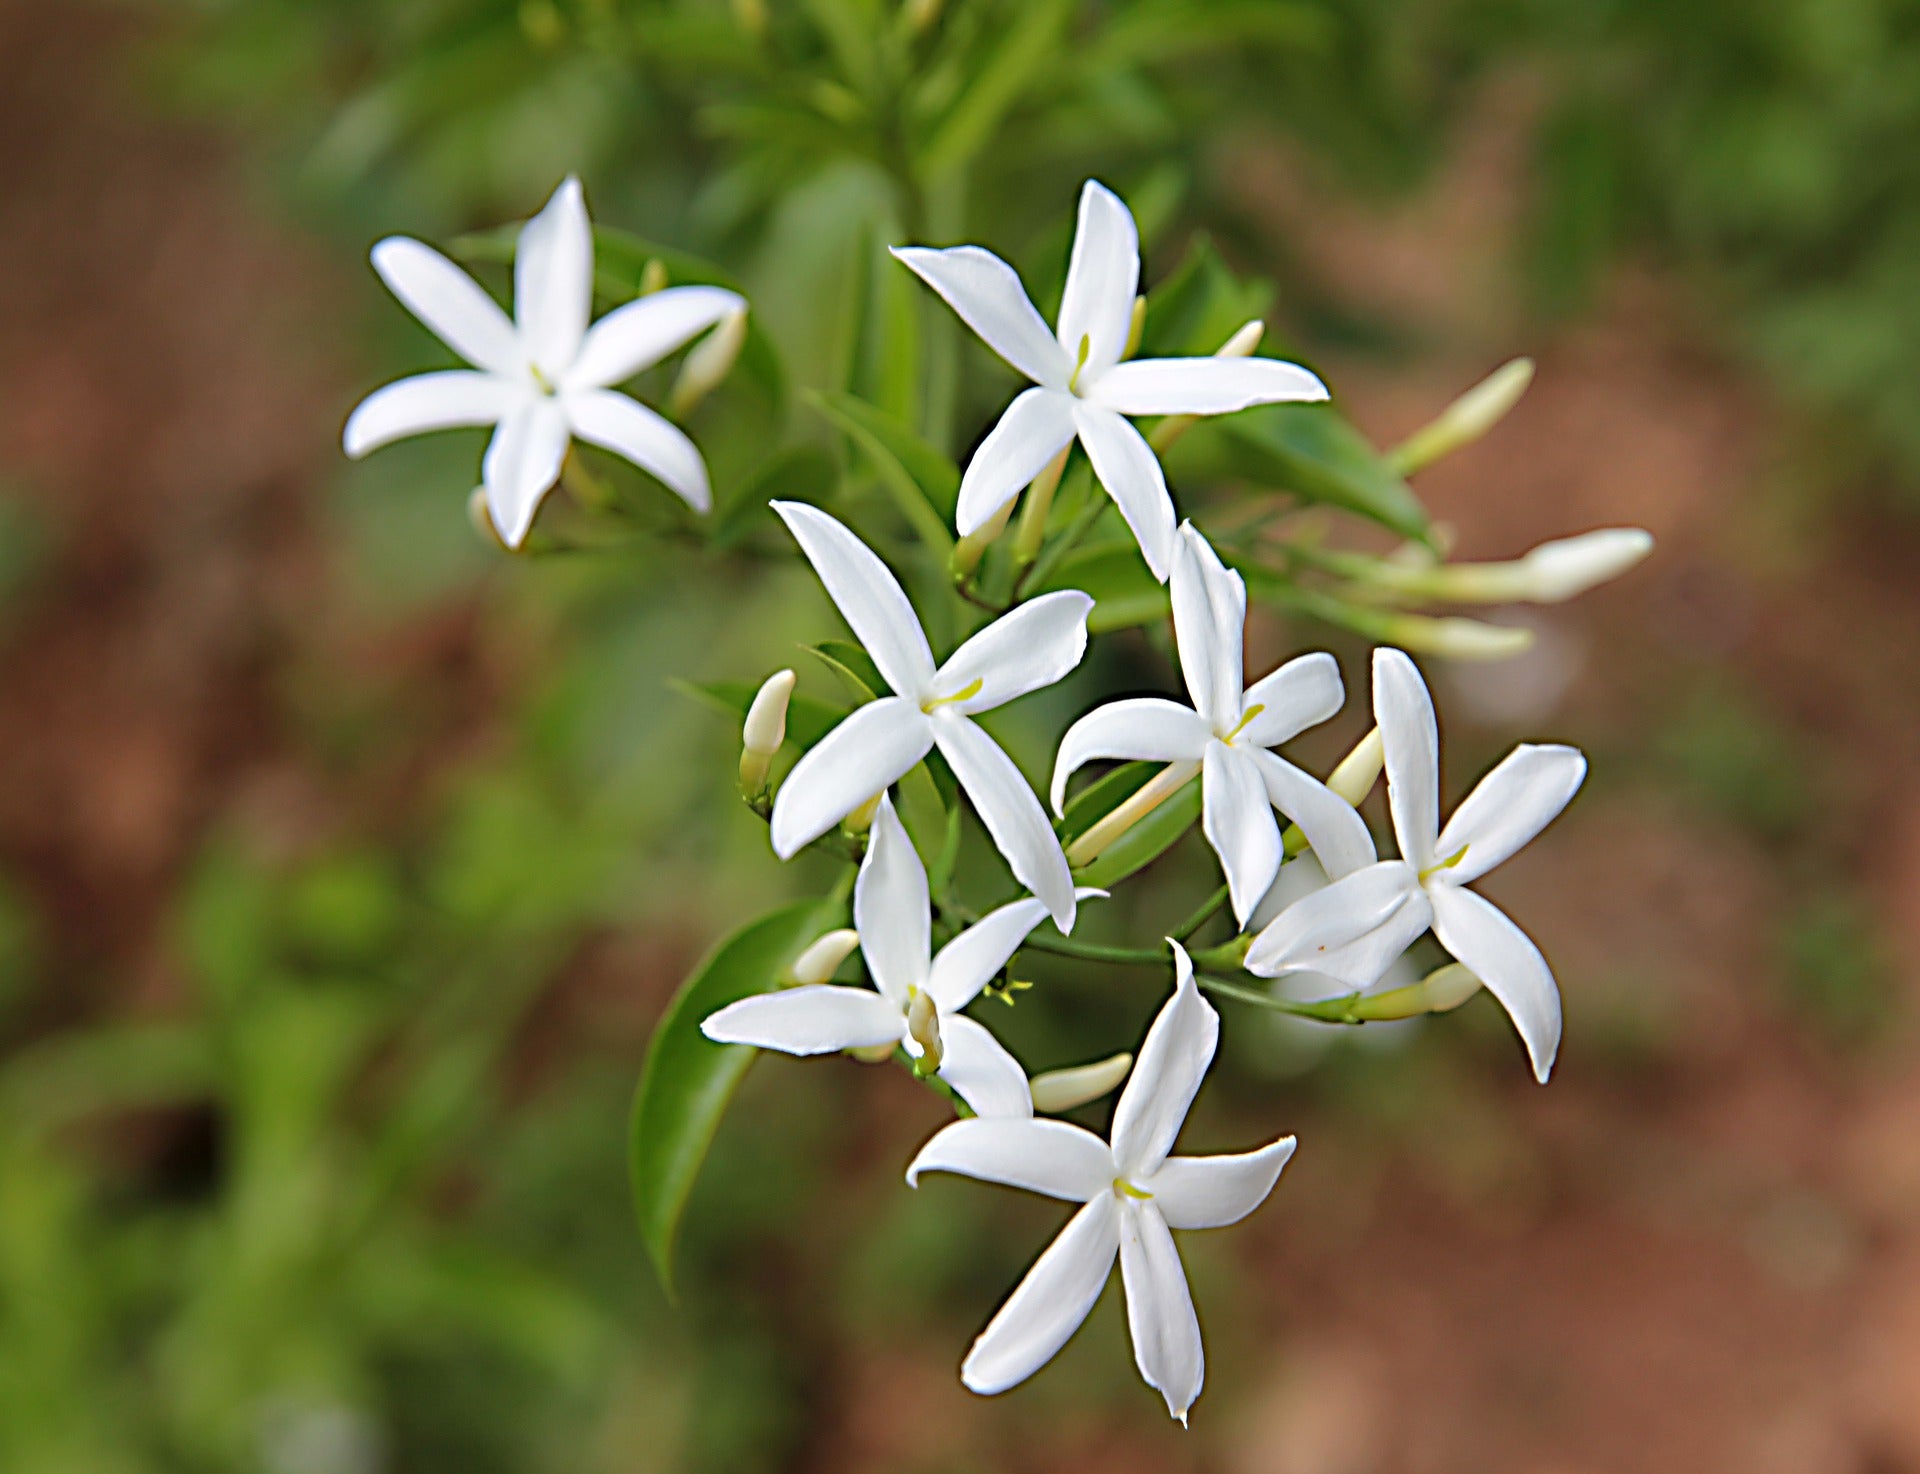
(1035, 510)
(968, 552)
(1448, 987)
(1466, 419)
(1551, 573)
(707, 364)
(1457, 639)
(1130, 811)
(1567, 566)
(1354, 777)
(1245, 339)
(764, 730)
(653, 277)
(823, 957)
(1062, 1090)
(923, 1027)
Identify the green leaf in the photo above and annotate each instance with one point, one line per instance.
(1200, 306)
(1030, 44)
(1100, 798)
(922, 482)
(1124, 590)
(688, 1081)
(1145, 842)
(1308, 449)
(853, 666)
(802, 473)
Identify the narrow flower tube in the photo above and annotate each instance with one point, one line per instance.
(1466, 419)
(763, 731)
(823, 957)
(968, 552)
(1056, 1091)
(1457, 639)
(707, 364)
(1142, 802)
(1551, 573)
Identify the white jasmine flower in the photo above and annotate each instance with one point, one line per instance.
(1083, 390)
(1133, 1193)
(1353, 929)
(916, 997)
(1228, 732)
(1032, 647)
(543, 377)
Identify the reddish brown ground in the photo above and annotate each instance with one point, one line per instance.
(1700, 1253)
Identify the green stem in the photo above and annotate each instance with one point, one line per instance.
(1200, 918)
(1095, 951)
(1353, 1008)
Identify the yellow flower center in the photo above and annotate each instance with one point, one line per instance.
(965, 693)
(1447, 864)
(1127, 1190)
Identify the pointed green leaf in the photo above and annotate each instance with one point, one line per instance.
(922, 482)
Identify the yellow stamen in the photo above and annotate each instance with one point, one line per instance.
(1086, 347)
(1128, 1190)
(1245, 722)
(965, 693)
(1446, 864)
(540, 380)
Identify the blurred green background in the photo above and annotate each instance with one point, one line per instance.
(345, 865)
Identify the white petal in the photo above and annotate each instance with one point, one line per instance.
(1056, 1158)
(891, 909)
(1503, 957)
(1128, 468)
(451, 303)
(1239, 824)
(1166, 1332)
(1049, 1304)
(640, 334)
(1298, 878)
(628, 428)
(1025, 650)
(425, 402)
(1013, 816)
(871, 749)
(1333, 826)
(981, 1072)
(1211, 1192)
(553, 280)
(1403, 710)
(867, 594)
(522, 463)
(1202, 386)
(816, 1019)
(1311, 933)
(1143, 728)
(1032, 432)
(1508, 807)
(1166, 1075)
(1303, 693)
(1209, 626)
(987, 294)
(1102, 277)
(967, 963)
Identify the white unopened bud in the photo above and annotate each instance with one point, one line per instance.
(923, 1027)
(1466, 419)
(1559, 570)
(707, 364)
(1062, 1090)
(1448, 987)
(1357, 772)
(1458, 639)
(764, 730)
(653, 277)
(823, 957)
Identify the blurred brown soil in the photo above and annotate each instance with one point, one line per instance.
(1699, 1254)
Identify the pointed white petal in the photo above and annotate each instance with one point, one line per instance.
(1314, 931)
(553, 280)
(1239, 824)
(1332, 825)
(1508, 807)
(1166, 1332)
(868, 751)
(450, 303)
(425, 402)
(1032, 647)
(1049, 1304)
(1202, 386)
(1503, 957)
(1209, 626)
(987, 294)
(891, 909)
(521, 465)
(1102, 277)
(640, 334)
(1303, 693)
(981, 1071)
(1143, 728)
(967, 963)
(1056, 1158)
(612, 421)
(1298, 878)
(1211, 1192)
(1128, 468)
(867, 594)
(1013, 816)
(1403, 710)
(816, 1019)
(1031, 432)
(1166, 1075)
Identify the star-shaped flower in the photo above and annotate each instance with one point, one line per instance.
(1083, 389)
(1356, 927)
(541, 378)
(1032, 647)
(1133, 1193)
(1228, 732)
(892, 912)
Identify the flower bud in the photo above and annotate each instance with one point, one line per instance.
(1558, 570)
(764, 730)
(1448, 987)
(921, 14)
(823, 957)
(1036, 508)
(1130, 811)
(968, 552)
(707, 363)
(653, 277)
(861, 819)
(1457, 639)
(1354, 777)
(1062, 1090)
(923, 1027)
(751, 15)
(1466, 419)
